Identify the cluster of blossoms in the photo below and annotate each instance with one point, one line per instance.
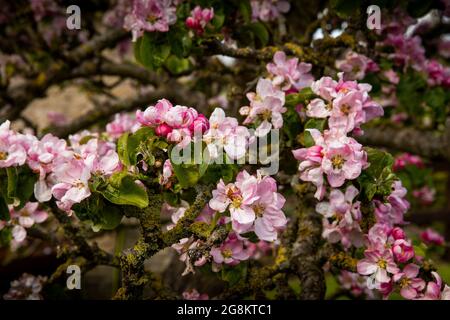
(64, 171)
(253, 203)
(226, 134)
(27, 287)
(231, 251)
(176, 123)
(193, 294)
(151, 16)
(269, 10)
(342, 217)
(23, 219)
(267, 103)
(346, 105)
(431, 237)
(390, 262)
(122, 123)
(355, 65)
(199, 19)
(406, 159)
(409, 51)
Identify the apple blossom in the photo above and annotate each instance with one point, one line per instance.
(150, 15)
(199, 18)
(289, 73)
(430, 236)
(268, 10)
(266, 107)
(410, 284)
(379, 265)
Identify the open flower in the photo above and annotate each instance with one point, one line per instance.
(410, 284)
(266, 107)
(337, 156)
(73, 183)
(289, 73)
(150, 15)
(378, 265)
(230, 252)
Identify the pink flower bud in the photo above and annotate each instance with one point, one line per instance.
(397, 233)
(163, 130)
(403, 250)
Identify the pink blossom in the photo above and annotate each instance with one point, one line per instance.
(437, 73)
(355, 283)
(199, 19)
(406, 159)
(430, 236)
(12, 149)
(122, 123)
(154, 115)
(230, 252)
(397, 233)
(225, 134)
(237, 197)
(73, 183)
(355, 65)
(270, 218)
(425, 195)
(403, 250)
(392, 211)
(377, 265)
(150, 15)
(266, 107)
(167, 173)
(410, 284)
(269, 10)
(193, 294)
(346, 216)
(289, 73)
(337, 156)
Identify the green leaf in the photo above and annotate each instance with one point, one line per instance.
(260, 31)
(187, 174)
(121, 189)
(5, 237)
(218, 20)
(110, 218)
(302, 97)
(4, 210)
(177, 65)
(12, 184)
(234, 274)
(19, 186)
(152, 54)
(379, 160)
(122, 149)
(128, 146)
(245, 9)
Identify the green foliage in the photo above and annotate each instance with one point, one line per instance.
(18, 187)
(102, 215)
(410, 92)
(143, 143)
(377, 179)
(4, 211)
(151, 50)
(122, 189)
(345, 8)
(234, 274)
